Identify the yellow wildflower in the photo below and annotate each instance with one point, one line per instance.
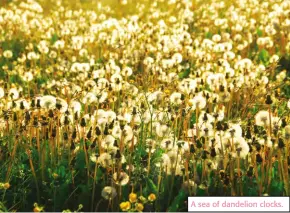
(152, 197)
(132, 197)
(139, 207)
(125, 206)
(6, 186)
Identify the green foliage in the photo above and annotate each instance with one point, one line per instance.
(276, 188)
(282, 108)
(208, 35)
(99, 174)
(40, 81)
(59, 176)
(199, 169)
(264, 56)
(54, 38)
(254, 109)
(184, 74)
(259, 32)
(151, 186)
(250, 186)
(192, 119)
(80, 160)
(286, 91)
(2, 207)
(16, 79)
(178, 201)
(84, 196)
(17, 46)
(201, 190)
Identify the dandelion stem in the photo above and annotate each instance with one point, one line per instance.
(187, 176)
(94, 185)
(149, 159)
(85, 151)
(257, 177)
(281, 171)
(240, 176)
(270, 122)
(222, 150)
(173, 178)
(12, 160)
(97, 206)
(34, 175)
(197, 130)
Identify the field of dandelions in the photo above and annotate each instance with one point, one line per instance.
(136, 105)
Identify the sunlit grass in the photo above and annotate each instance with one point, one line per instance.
(136, 105)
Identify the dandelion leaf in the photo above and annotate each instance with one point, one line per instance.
(184, 74)
(178, 201)
(201, 190)
(151, 186)
(276, 188)
(264, 56)
(259, 32)
(80, 160)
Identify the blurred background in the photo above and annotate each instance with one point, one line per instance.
(120, 7)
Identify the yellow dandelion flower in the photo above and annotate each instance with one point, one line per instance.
(6, 186)
(125, 206)
(139, 207)
(55, 175)
(37, 208)
(132, 197)
(152, 197)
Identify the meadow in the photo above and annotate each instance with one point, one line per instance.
(133, 106)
